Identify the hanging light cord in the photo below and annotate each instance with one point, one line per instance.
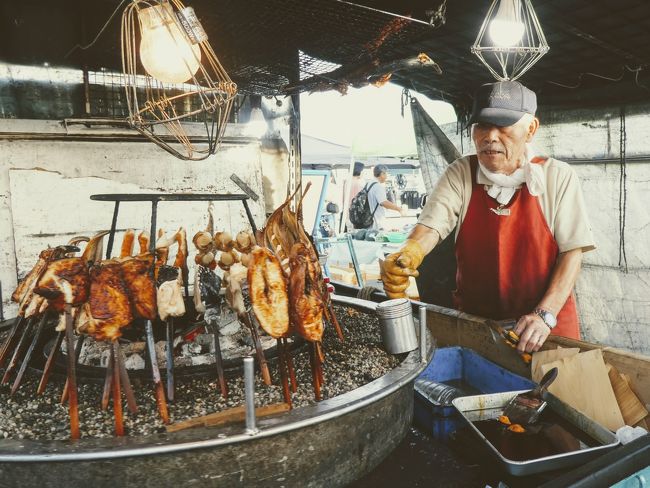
(625, 68)
(101, 31)
(622, 193)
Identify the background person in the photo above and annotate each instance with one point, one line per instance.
(378, 200)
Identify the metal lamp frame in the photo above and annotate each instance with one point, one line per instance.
(510, 63)
(157, 109)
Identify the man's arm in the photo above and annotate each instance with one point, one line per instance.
(425, 236)
(531, 328)
(390, 205)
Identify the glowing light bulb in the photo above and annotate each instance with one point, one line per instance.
(507, 29)
(165, 51)
(256, 123)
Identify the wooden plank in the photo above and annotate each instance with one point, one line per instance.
(236, 414)
(543, 357)
(636, 366)
(632, 409)
(583, 383)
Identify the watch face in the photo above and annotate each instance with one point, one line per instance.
(549, 318)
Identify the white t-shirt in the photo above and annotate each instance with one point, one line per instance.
(562, 203)
(377, 196)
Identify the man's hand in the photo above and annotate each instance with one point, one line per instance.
(532, 332)
(399, 267)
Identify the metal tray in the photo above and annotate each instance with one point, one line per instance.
(490, 406)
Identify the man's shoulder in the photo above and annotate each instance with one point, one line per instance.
(557, 168)
(462, 162)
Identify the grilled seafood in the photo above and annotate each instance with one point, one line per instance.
(306, 303)
(268, 292)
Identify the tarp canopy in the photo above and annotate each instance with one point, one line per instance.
(320, 154)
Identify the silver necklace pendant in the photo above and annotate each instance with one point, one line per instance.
(500, 211)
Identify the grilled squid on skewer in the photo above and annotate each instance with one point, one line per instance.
(169, 296)
(306, 303)
(127, 244)
(268, 292)
(143, 242)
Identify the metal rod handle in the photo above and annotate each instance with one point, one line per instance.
(249, 395)
(423, 333)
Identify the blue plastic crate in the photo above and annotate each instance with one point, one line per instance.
(459, 363)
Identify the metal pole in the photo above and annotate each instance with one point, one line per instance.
(423, 333)
(355, 261)
(111, 235)
(152, 234)
(249, 395)
(249, 215)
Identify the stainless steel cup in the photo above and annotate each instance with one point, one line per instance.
(397, 327)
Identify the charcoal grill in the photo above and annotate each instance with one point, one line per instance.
(327, 444)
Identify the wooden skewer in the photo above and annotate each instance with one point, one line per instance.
(261, 358)
(7, 346)
(73, 405)
(124, 378)
(28, 355)
(289, 361)
(321, 359)
(117, 393)
(169, 328)
(49, 364)
(283, 373)
(236, 414)
(334, 320)
(161, 401)
(17, 351)
(108, 380)
(77, 352)
(219, 362)
(313, 356)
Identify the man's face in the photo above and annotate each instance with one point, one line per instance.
(501, 149)
(382, 177)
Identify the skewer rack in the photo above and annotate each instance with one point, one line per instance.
(154, 198)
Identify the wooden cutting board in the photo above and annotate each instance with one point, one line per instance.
(632, 409)
(583, 383)
(544, 357)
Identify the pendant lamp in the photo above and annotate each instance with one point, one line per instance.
(173, 76)
(510, 40)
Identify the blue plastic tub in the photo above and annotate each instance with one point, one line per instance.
(641, 479)
(454, 364)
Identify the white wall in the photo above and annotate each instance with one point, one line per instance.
(614, 304)
(45, 187)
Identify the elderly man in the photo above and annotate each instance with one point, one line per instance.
(520, 221)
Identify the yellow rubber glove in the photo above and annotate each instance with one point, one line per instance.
(399, 266)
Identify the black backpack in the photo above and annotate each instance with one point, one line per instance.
(360, 214)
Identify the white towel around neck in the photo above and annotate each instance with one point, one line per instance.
(503, 187)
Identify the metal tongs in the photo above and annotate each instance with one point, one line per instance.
(505, 329)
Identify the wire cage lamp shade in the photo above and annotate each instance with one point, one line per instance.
(510, 40)
(173, 76)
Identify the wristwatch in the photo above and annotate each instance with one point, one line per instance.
(549, 319)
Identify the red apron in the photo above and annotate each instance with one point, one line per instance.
(505, 261)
